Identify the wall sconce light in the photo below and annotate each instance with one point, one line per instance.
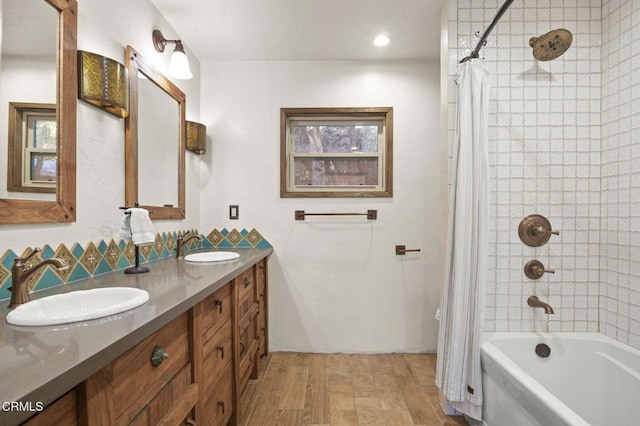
(196, 137)
(179, 63)
(103, 83)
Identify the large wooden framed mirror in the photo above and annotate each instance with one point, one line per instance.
(154, 141)
(38, 67)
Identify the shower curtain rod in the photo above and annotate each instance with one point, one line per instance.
(483, 39)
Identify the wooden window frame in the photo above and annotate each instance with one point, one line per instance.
(287, 115)
(18, 163)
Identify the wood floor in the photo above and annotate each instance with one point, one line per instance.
(338, 389)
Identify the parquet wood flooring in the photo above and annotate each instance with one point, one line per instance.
(298, 389)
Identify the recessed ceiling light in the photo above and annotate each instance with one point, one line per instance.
(381, 40)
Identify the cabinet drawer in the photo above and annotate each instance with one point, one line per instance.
(171, 405)
(135, 381)
(216, 310)
(246, 284)
(217, 354)
(218, 405)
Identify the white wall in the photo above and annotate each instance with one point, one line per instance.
(106, 28)
(336, 284)
(620, 261)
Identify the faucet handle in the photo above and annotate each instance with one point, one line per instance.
(35, 251)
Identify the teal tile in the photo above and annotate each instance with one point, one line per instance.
(224, 232)
(225, 243)
(244, 244)
(263, 244)
(103, 246)
(122, 263)
(48, 279)
(244, 232)
(79, 273)
(7, 261)
(47, 252)
(152, 256)
(77, 251)
(122, 244)
(4, 291)
(206, 244)
(103, 268)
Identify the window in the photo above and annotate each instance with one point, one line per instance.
(33, 160)
(336, 152)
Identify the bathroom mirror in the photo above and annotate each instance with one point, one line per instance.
(28, 27)
(154, 141)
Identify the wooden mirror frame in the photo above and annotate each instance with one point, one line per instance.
(15, 211)
(137, 63)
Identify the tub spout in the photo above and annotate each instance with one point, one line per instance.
(534, 302)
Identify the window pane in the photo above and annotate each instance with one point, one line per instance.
(43, 167)
(44, 134)
(339, 139)
(338, 172)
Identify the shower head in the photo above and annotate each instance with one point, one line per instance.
(551, 45)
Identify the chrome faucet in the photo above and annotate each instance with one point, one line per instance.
(181, 241)
(20, 273)
(534, 302)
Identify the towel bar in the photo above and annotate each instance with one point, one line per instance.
(370, 214)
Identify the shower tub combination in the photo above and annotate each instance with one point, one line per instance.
(585, 379)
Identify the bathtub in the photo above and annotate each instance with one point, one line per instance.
(587, 379)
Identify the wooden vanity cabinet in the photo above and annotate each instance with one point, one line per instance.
(213, 350)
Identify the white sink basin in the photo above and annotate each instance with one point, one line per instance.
(211, 256)
(77, 306)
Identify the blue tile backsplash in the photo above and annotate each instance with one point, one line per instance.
(108, 256)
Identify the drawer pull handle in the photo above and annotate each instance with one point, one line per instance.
(221, 406)
(262, 294)
(263, 330)
(219, 305)
(241, 348)
(220, 352)
(247, 282)
(158, 355)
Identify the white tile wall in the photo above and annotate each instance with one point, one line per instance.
(545, 135)
(620, 249)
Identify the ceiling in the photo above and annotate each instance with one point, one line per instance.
(229, 30)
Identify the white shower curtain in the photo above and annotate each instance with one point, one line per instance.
(459, 374)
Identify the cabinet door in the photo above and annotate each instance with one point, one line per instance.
(63, 411)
